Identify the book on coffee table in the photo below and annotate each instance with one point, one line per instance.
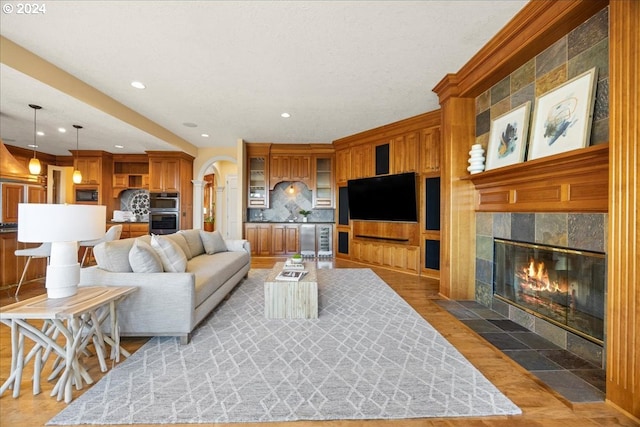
(290, 265)
(291, 275)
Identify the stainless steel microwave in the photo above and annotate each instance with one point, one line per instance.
(86, 195)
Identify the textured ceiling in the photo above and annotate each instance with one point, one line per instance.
(232, 67)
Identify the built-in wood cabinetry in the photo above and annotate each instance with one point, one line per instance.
(284, 239)
(130, 171)
(258, 175)
(172, 171)
(96, 168)
(13, 265)
(90, 168)
(130, 229)
(259, 238)
(269, 164)
(411, 145)
(14, 193)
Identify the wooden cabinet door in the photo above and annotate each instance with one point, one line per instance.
(343, 165)
(164, 175)
(12, 195)
(291, 239)
(278, 239)
(430, 150)
(36, 194)
(9, 271)
(258, 186)
(120, 180)
(90, 169)
(362, 161)
(300, 168)
(405, 153)
(259, 237)
(279, 169)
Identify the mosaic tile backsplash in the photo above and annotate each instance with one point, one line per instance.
(136, 201)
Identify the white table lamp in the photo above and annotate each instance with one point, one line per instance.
(62, 225)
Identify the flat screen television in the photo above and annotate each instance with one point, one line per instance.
(384, 198)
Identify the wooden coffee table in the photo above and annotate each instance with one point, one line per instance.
(291, 300)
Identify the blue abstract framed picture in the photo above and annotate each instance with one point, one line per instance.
(562, 117)
(508, 138)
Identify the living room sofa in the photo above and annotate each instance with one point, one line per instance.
(180, 278)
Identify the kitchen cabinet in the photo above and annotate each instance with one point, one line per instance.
(284, 239)
(15, 193)
(90, 168)
(164, 175)
(323, 196)
(12, 195)
(130, 229)
(258, 194)
(13, 265)
(259, 237)
(172, 171)
(285, 167)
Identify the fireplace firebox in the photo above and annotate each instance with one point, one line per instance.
(563, 286)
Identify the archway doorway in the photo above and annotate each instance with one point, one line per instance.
(212, 195)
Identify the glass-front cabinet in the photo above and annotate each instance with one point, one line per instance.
(258, 192)
(323, 196)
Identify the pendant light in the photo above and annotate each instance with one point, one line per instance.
(77, 175)
(34, 163)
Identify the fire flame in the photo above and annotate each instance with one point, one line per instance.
(535, 277)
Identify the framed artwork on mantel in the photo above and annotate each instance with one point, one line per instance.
(508, 138)
(562, 117)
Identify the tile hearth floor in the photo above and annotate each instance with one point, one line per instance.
(576, 379)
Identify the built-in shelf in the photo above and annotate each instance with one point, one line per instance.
(575, 181)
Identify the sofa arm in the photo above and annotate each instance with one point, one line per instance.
(164, 303)
(238, 245)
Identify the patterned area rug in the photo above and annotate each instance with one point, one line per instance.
(369, 355)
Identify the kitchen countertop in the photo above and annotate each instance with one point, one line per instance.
(289, 222)
(127, 222)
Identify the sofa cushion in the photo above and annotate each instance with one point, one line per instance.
(144, 259)
(114, 255)
(212, 271)
(213, 242)
(182, 242)
(194, 241)
(173, 258)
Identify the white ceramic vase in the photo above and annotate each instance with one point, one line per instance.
(476, 159)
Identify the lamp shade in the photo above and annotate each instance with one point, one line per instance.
(38, 222)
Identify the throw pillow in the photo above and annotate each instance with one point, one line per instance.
(173, 258)
(213, 242)
(182, 242)
(193, 240)
(144, 259)
(235, 245)
(114, 255)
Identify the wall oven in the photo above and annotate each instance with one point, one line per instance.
(164, 202)
(164, 222)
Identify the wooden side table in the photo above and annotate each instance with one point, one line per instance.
(79, 319)
(291, 300)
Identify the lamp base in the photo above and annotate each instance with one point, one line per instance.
(63, 271)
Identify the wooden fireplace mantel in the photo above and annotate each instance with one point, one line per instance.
(575, 181)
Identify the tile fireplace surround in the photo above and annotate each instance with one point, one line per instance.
(577, 231)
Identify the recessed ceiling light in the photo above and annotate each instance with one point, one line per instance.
(205, 135)
(30, 145)
(138, 85)
(119, 146)
(190, 125)
(62, 130)
(285, 115)
(40, 133)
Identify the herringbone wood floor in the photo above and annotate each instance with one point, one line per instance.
(540, 406)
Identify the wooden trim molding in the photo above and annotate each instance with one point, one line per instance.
(537, 26)
(623, 251)
(576, 181)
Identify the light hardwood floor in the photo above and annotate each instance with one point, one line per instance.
(540, 405)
